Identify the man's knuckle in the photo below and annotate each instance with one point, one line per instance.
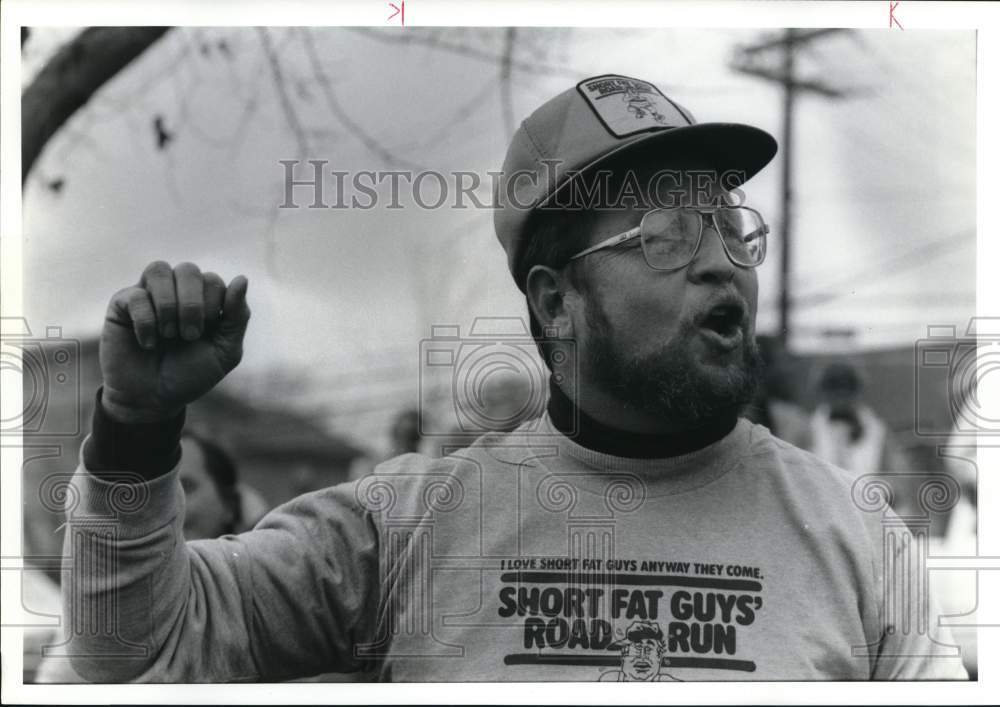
(143, 320)
(125, 294)
(157, 268)
(187, 268)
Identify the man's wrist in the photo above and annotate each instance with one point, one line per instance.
(126, 412)
(150, 448)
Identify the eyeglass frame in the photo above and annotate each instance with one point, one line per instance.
(628, 235)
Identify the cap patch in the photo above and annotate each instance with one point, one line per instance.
(627, 106)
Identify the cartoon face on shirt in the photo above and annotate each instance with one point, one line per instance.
(641, 659)
(642, 651)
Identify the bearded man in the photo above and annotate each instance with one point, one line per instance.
(641, 495)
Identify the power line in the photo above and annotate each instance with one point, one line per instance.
(903, 193)
(888, 268)
(799, 38)
(861, 126)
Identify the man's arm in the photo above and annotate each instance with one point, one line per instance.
(911, 644)
(288, 599)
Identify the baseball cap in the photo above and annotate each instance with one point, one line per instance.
(637, 630)
(607, 116)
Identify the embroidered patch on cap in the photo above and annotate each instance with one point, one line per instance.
(627, 106)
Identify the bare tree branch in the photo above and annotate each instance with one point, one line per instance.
(355, 129)
(71, 77)
(506, 97)
(411, 37)
(286, 103)
(446, 131)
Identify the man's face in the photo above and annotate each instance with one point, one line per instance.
(675, 344)
(641, 659)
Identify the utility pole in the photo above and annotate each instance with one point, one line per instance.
(752, 60)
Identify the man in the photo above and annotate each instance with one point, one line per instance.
(847, 432)
(643, 650)
(640, 495)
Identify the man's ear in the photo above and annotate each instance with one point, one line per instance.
(545, 291)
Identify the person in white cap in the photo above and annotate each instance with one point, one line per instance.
(641, 495)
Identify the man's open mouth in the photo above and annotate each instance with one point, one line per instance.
(723, 323)
(642, 666)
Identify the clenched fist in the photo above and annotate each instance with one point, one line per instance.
(168, 340)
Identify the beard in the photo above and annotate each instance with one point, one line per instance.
(670, 382)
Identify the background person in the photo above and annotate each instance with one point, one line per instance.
(847, 432)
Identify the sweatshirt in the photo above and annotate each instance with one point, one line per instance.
(525, 557)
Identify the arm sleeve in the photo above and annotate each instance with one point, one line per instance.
(288, 599)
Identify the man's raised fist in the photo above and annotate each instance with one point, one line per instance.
(168, 340)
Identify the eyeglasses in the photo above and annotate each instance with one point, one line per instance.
(641, 649)
(671, 237)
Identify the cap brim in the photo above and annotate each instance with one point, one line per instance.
(742, 150)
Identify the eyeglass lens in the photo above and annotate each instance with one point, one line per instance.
(670, 236)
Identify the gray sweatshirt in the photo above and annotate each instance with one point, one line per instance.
(525, 557)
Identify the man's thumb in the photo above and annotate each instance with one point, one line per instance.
(235, 312)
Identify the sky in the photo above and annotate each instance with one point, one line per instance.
(883, 180)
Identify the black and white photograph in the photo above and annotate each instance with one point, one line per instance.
(504, 351)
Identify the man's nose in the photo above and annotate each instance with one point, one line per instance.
(711, 264)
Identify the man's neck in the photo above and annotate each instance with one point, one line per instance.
(600, 437)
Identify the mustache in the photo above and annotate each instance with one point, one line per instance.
(727, 298)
